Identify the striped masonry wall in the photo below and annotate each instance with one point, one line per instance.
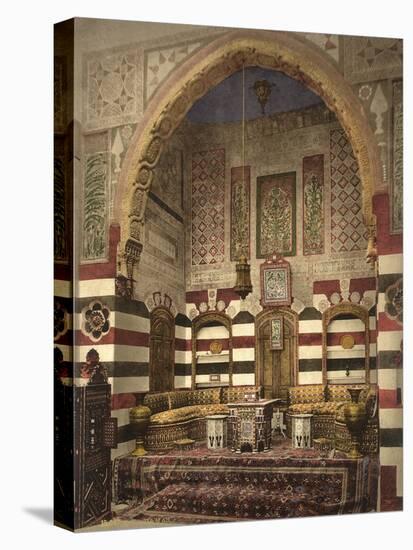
(124, 351)
(389, 357)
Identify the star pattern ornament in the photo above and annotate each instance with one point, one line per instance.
(112, 86)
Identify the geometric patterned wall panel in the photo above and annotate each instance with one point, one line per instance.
(208, 201)
(160, 62)
(112, 95)
(348, 231)
(369, 59)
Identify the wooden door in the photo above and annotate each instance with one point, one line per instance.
(276, 367)
(161, 352)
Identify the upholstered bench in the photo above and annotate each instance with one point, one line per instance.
(326, 403)
(181, 414)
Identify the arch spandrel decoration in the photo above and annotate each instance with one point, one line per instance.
(199, 322)
(268, 49)
(346, 308)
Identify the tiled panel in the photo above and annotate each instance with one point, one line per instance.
(208, 196)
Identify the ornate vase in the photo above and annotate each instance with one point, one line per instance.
(139, 418)
(356, 418)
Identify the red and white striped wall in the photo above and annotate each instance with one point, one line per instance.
(389, 356)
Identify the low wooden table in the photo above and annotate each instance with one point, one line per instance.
(250, 425)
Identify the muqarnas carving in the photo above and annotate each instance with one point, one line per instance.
(95, 206)
(240, 212)
(276, 215)
(313, 205)
(397, 181)
(208, 202)
(59, 205)
(95, 319)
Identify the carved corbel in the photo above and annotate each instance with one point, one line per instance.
(371, 254)
(129, 258)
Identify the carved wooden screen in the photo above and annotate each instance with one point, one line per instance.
(161, 350)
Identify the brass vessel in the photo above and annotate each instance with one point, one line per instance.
(356, 418)
(139, 417)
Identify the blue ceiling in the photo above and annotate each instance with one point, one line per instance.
(224, 102)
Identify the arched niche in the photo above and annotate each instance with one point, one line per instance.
(212, 320)
(204, 70)
(335, 337)
(161, 350)
(277, 369)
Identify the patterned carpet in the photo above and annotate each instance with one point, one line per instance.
(198, 486)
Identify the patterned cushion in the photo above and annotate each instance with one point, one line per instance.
(312, 393)
(188, 413)
(179, 399)
(330, 407)
(204, 397)
(235, 394)
(157, 402)
(338, 392)
(303, 408)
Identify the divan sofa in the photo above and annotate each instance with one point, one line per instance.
(326, 403)
(181, 414)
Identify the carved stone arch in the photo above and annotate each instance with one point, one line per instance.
(161, 349)
(331, 313)
(199, 322)
(227, 54)
(289, 316)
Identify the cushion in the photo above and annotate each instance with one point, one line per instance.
(157, 402)
(187, 413)
(338, 392)
(236, 394)
(330, 407)
(312, 393)
(302, 408)
(179, 399)
(204, 397)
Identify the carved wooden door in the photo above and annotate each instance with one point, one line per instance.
(162, 351)
(276, 366)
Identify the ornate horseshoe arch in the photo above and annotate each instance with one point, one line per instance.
(272, 50)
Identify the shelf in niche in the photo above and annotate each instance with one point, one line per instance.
(347, 380)
(208, 357)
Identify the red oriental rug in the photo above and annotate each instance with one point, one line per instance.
(198, 486)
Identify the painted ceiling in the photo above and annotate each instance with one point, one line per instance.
(224, 102)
